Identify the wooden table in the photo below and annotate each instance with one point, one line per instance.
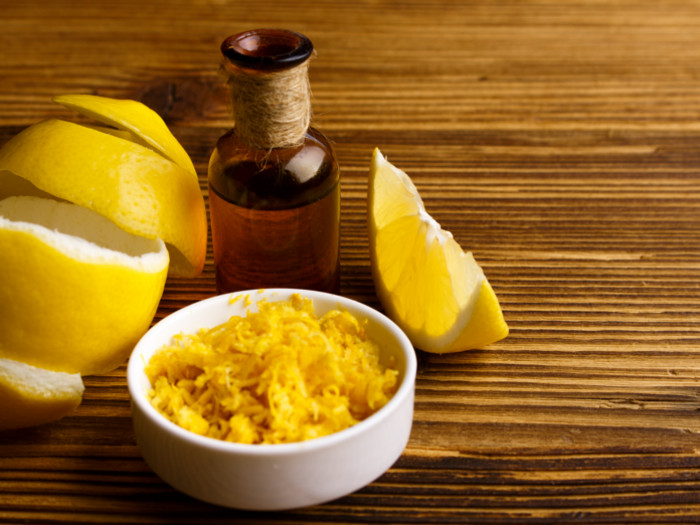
(558, 140)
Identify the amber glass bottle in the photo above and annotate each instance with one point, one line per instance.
(274, 182)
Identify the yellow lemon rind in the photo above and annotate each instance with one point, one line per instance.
(133, 116)
(138, 189)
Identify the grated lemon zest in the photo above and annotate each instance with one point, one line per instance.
(278, 375)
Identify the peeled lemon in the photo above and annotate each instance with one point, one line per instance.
(92, 220)
(31, 396)
(437, 293)
(79, 292)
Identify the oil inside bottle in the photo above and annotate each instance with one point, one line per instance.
(275, 215)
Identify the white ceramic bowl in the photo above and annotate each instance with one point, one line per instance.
(272, 477)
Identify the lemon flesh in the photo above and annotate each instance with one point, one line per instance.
(131, 115)
(78, 291)
(136, 188)
(31, 396)
(437, 293)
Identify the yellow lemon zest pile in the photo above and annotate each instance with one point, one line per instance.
(278, 375)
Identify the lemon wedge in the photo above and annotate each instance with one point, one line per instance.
(78, 292)
(131, 115)
(31, 396)
(437, 293)
(137, 188)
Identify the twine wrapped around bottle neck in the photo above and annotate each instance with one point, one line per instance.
(272, 109)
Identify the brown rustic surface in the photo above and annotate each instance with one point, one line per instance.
(558, 140)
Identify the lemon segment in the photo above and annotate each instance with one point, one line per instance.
(79, 292)
(428, 285)
(31, 396)
(146, 125)
(135, 187)
(486, 324)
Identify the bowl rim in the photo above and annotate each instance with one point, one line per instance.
(406, 388)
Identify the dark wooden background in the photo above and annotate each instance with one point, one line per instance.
(558, 140)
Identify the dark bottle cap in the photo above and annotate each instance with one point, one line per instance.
(267, 49)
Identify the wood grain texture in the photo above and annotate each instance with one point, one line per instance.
(557, 140)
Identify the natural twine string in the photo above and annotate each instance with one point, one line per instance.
(271, 109)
